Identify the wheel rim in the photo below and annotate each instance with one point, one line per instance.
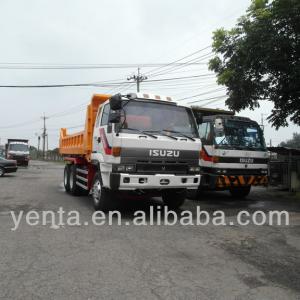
(96, 192)
(1, 172)
(71, 179)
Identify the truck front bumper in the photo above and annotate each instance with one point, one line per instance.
(213, 181)
(122, 181)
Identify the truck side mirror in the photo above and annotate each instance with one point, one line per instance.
(199, 118)
(114, 117)
(116, 102)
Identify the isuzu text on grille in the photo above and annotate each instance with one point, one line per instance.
(164, 153)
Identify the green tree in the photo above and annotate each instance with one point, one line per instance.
(259, 59)
(293, 143)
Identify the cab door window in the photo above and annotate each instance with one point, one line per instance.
(205, 133)
(105, 114)
(97, 123)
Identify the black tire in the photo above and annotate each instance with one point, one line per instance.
(174, 199)
(240, 192)
(101, 196)
(67, 178)
(75, 190)
(2, 172)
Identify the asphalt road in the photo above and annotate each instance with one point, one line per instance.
(143, 262)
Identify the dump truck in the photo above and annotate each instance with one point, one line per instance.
(136, 144)
(234, 156)
(18, 149)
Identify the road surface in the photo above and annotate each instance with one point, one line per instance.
(143, 262)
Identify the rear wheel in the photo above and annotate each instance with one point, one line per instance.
(2, 171)
(102, 198)
(240, 192)
(74, 188)
(67, 178)
(174, 199)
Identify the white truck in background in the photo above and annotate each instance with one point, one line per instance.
(18, 150)
(137, 144)
(234, 156)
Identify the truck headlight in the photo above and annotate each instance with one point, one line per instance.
(264, 171)
(194, 169)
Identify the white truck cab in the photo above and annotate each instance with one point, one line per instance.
(234, 155)
(155, 145)
(18, 149)
(141, 144)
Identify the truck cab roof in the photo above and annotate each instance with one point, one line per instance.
(227, 117)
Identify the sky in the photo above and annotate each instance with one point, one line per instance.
(92, 32)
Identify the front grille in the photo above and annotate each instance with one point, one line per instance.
(233, 171)
(162, 168)
(15, 157)
(243, 172)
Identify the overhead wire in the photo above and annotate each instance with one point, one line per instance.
(36, 66)
(201, 94)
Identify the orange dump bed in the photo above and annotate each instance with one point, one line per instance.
(81, 143)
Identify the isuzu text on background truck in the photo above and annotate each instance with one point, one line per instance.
(234, 155)
(17, 149)
(138, 143)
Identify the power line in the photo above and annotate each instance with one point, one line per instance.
(205, 93)
(20, 124)
(200, 100)
(70, 127)
(59, 85)
(183, 43)
(185, 64)
(33, 66)
(178, 60)
(124, 86)
(212, 101)
(95, 84)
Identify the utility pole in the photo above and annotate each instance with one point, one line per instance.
(39, 141)
(44, 134)
(138, 78)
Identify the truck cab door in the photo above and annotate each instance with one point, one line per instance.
(102, 138)
(208, 150)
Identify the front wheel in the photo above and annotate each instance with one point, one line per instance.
(240, 192)
(102, 198)
(2, 172)
(174, 199)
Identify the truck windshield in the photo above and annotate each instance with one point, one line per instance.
(240, 135)
(18, 147)
(158, 118)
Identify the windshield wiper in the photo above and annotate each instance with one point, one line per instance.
(161, 132)
(141, 131)
(178, 132)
